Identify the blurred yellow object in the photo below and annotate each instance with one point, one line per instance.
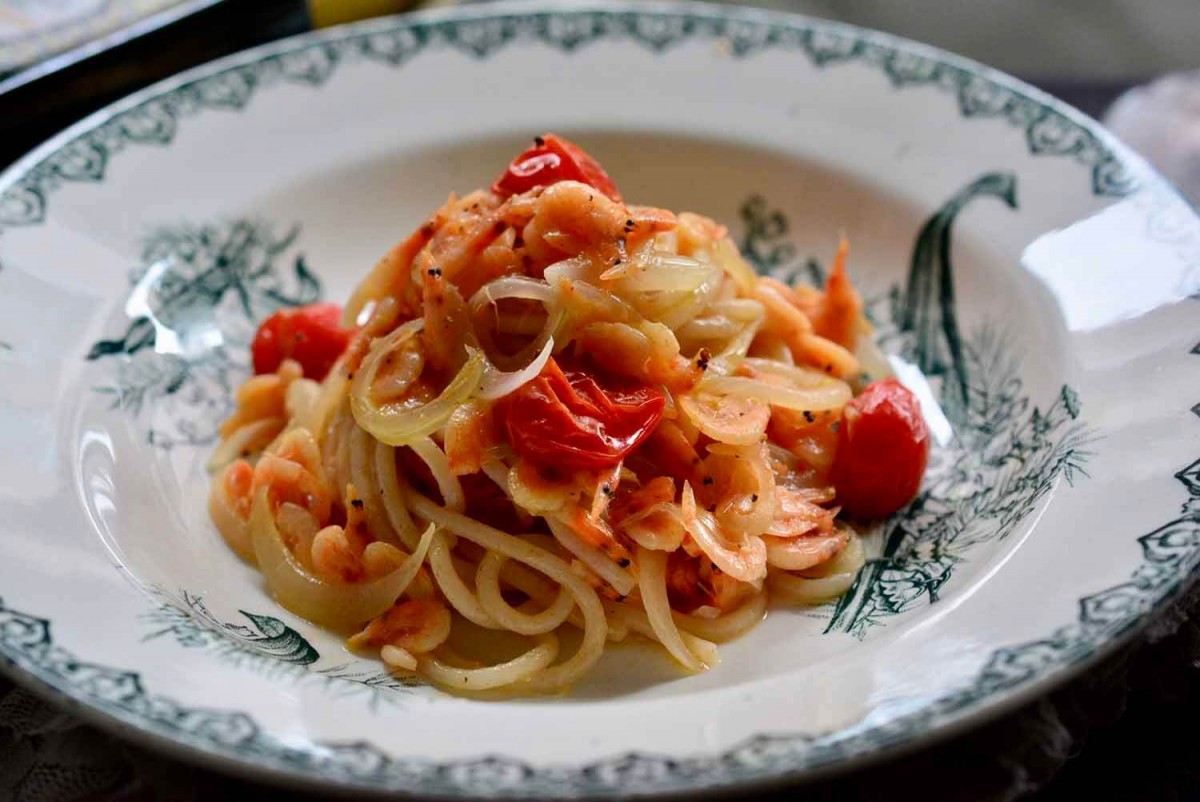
(334, 12)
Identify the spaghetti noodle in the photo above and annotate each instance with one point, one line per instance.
(560, 418)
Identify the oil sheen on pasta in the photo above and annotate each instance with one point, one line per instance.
(558, 416)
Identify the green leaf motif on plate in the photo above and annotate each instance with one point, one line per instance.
(270, 647)
(1007, 453)
(198, 294)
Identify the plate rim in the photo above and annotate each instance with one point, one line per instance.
(971, 714)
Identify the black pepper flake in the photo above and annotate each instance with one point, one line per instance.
(245, 452)
(702, 359)
(357, 503)
(708, 480)
(350, 376)
(808, 416)
(623, 562)
(539, 141)
(606, 490)
(629, 225)
(435, 272)
(753, 497)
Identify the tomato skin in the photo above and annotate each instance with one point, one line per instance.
(568, 421)
(883, 447)
(312, 335)
(550, 160)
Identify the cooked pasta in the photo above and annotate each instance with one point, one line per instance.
(565, 420)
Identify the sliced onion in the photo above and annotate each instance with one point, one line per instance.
(726, 256)
(398, 425)
(577, 268)
(659, 272)
(245, 440)
(653, 568)
(710, 327)
(439, 465)
(497, 383)
(518, 288)
(344, 607)
(792, 589)
(832, 394)
(621, 579)
(726, 362)
(746, 561)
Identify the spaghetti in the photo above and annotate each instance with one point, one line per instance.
(550, 419)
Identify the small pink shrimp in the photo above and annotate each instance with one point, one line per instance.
(416, 625)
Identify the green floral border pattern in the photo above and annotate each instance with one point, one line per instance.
(1170, 553)
(312, 60)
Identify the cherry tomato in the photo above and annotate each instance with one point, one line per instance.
(312, 335)
(550, 160)
(567, 420)
(883, 446)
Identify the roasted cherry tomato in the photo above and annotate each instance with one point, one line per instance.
(312, 335)
(550, 160)
(568, 421)
(883, 446)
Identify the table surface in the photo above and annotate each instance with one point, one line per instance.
(1118, 731)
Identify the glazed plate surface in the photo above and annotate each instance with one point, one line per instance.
(1028, 273)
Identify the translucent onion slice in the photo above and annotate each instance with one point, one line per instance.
(246, 440)
(830, 394)
(498, 383)
(652, 566)
(343, 607)
(605, 568)
(397, 424)
(727, 257)
(658, 272)
(439, 465)
(792, 589)
(518, 288)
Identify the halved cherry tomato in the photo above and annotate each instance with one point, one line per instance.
(550, 160)
(312, 335)
(568, 421)
(883, 447)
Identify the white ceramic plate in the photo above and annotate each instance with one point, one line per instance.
(1026, 261)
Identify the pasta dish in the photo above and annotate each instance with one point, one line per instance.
(549, 420)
